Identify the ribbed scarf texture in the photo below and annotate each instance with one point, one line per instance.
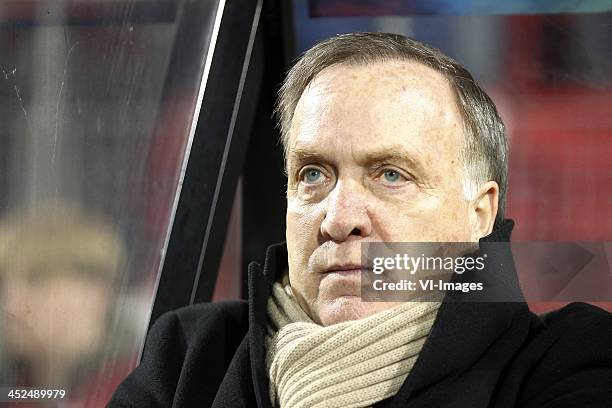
(350, 364)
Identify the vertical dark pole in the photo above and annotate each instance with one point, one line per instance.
(216, 156)
(264, 183)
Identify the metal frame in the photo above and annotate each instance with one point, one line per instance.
(198, 227)
(263, 198)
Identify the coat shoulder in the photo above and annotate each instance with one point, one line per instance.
(186, 355)
(577, 312)
(568, 361)
(205, 319)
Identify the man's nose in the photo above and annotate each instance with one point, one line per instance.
(346, 213)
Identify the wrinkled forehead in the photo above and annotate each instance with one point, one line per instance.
(405, 100)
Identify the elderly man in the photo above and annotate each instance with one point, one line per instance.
(386, 140)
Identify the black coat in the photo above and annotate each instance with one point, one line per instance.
(478, 354)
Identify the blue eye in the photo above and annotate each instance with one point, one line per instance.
(392, 176)
(312, 175)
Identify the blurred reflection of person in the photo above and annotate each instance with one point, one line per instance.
(57, 267)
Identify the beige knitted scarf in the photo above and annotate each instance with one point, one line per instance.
(350, 364)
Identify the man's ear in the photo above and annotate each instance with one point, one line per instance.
(484, 206)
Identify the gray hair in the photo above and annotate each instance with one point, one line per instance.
(485, 150)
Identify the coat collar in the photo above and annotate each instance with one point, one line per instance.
(466, 327)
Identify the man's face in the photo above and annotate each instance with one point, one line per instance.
(373, 156)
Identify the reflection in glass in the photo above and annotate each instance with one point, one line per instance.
(57, 268)
(97, 101)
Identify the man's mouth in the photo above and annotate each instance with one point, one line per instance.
(347, 270)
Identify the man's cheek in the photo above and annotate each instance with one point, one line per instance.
(304, 222)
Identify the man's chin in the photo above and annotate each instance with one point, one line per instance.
(345, 308)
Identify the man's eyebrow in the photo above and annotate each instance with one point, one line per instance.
(391, 154)
(396, 154)
(299, 156)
